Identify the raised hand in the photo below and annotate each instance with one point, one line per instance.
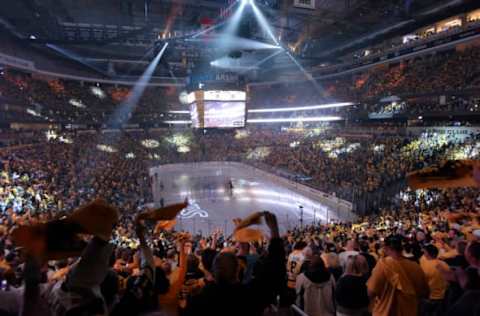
(271, 221)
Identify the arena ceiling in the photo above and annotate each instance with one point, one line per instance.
(125, 30)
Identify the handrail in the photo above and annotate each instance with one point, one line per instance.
(298, 310)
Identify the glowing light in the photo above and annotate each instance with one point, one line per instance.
(301, 108)
(179, 112)
(183, 149)
(241, 133)
(150, 143)
(178, 139)
(211, 28)
(153, 157)
(77, 103)
(33, 112)
(234, 21)
(98, 92)
(297, 119)
(259, 153)
(379, 148)
(264, 60)
(348, 149)
(106, 148)
(130, 156)
(51, 135)
(178, 122)
(222, 95)
(65, 140)
(294, 144)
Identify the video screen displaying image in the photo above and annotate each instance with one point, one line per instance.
(224, 114)
(217, 108)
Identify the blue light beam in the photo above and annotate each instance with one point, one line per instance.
(263, 22)
(122, 114)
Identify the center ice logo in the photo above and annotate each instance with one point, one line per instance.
(192, 210)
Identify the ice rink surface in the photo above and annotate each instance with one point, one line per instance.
(213, 204)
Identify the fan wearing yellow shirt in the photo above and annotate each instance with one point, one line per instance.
(433, 267)
(397, 284)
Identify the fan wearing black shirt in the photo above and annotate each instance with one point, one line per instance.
(353, 281)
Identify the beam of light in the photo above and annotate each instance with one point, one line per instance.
(263, 22)
(263, 61)
(179, 112)
(127, 106)
(242, 65)
(236, 43)
(234, 20)
(208, 29)
(214, 27)
(174, 11)
(305, 73)
(296, 119)
(178, 122)
(75, 57)
(300, 40)
(301, 108)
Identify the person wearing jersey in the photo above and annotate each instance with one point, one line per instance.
(294, 263)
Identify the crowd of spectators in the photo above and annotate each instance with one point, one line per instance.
(73, 102)
(31, 98)
(420, 252)
(323, 160)
(419, 255)
(435, 74)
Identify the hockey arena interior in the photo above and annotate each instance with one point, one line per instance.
(240, 157)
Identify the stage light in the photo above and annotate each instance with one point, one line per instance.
(302, 108)
(296, 119)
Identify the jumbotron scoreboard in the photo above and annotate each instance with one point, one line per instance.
(217, 108)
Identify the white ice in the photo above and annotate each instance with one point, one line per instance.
(213, 205)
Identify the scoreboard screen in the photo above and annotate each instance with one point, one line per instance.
(217, 109)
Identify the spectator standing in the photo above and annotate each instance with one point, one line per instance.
(315, 289)
(349, 251)
(351, 294)
(432, 267)
(397, 284)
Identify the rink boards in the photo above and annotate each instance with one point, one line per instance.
(213, 204)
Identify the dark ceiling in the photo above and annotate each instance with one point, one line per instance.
(126, 29)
